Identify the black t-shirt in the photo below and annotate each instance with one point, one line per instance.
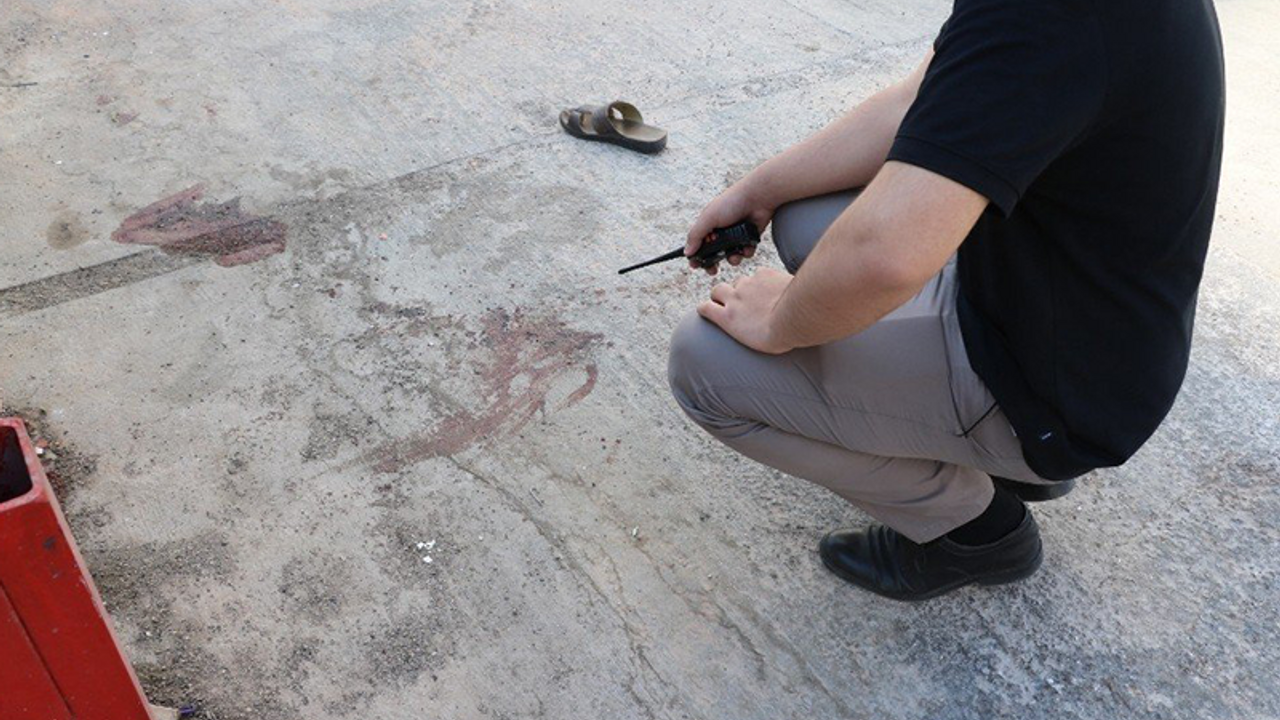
(1095, 130)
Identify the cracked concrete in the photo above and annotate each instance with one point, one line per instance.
(442, 354)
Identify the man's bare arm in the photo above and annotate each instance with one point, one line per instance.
(845, 154)
(878, 254)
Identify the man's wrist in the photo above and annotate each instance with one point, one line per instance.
(760, 189)
(776, 330)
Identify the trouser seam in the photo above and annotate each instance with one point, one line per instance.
(703, 394)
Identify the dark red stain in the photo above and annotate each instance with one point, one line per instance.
(511, 346)
(222, 231)
(586, 388)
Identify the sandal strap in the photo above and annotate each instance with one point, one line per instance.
(602, 116)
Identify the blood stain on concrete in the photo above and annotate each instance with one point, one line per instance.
(522, 356)
(222, 231)
(585, 390)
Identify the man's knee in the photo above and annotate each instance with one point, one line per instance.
(687, 352)
(800, 224)
(789, 233)
(697, 348)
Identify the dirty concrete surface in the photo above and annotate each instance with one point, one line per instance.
(304, 294)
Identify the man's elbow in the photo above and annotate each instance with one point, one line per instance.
(901, 255)
(898, 272)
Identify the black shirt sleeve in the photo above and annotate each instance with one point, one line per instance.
(1012, 85)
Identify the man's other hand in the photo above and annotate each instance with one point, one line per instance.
(744, 309)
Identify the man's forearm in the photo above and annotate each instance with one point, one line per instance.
(845, 154)
(875, 256)
(839, 292)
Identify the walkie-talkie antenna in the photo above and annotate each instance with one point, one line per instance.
(728, 241)
(661, 258)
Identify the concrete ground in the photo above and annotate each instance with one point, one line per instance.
(386, 327)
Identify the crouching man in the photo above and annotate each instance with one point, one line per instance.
(1005, 305)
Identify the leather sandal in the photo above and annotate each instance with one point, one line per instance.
(618, 123)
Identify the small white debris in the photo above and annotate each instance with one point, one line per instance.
(40, 451)
(635, 532)
(427, 559)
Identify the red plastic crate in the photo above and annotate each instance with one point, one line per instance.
(60, 657)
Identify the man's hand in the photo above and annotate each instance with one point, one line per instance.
(729, 208)
(744, 309)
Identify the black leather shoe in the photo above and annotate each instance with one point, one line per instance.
(885, 562)
(1028, 492)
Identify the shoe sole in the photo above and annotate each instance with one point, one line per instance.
(1002, 577)
(1027, 492)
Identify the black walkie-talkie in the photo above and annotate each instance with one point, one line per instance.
(727, 241)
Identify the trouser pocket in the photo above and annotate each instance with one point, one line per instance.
(978, 415)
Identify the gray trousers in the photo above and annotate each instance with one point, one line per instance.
(892, 419)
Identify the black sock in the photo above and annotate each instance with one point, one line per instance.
(1001, 517)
